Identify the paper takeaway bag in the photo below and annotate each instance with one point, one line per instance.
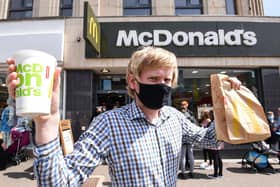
(239, 116)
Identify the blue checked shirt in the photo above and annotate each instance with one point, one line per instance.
(138, 153)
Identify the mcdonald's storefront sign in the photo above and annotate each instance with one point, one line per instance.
(91, 27)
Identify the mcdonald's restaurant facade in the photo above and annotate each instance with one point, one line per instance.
(244, 47)
(94, 56)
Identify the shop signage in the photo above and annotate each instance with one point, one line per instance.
(91, 27)
(120, 39)
(161, 38)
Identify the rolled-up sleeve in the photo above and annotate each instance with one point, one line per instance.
(48, 159)
(53, 169)
(202, 137)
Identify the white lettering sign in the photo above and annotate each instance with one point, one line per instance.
(235, 37)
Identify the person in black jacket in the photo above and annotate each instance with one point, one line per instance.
(4, 156)
(274, 139)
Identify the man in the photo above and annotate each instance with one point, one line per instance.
(4, 156)
(141, 141)
(277, 125)
(7, 118)
(273, 140)
(189, 114)
(278, 121)
(187, 157)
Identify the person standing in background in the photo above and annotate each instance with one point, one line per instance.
(277, 124)
(7, 118)
(5, 128)
(187, 157)
(277, 128)
(184, 107)
(217, 159)
(205, 121)
(3, 156)
(273, 140)
(215, 152)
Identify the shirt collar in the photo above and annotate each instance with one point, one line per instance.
(136, 113)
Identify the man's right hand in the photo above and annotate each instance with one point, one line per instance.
(46, 125)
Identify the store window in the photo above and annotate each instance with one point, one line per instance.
(20, 9)
(230, 7)
(112, 82)
(271, 90)
(137, 8)
(111, 92)
(187, 7)
(66, 7)
(194, 86)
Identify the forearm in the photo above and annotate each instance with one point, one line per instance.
(44, 135)
(46, 130)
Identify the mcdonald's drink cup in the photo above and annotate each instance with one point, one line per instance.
(35, 71)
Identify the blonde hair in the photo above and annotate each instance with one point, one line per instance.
(151, 57)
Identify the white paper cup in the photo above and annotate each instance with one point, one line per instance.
(35, 71)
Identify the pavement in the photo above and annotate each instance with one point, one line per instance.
(234, 175)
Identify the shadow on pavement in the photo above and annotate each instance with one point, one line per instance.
(200, 176)
(17, 175)
(28, 173)
(249, 170)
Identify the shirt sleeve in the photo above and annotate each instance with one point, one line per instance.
(202, 137)
(52, 169)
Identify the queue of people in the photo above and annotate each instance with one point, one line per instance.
(212, 153)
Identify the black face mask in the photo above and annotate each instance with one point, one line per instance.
(154, 96)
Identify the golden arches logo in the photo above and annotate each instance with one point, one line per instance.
(93, 29)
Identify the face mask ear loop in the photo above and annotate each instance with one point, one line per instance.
(138, 82)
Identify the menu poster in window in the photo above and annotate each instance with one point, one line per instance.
(66, 136)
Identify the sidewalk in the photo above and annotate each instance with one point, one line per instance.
(234, 175)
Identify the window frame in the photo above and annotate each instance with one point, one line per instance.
(21, 9)
(63, 6)
(138, 6)
(229, 5)
(189, 6)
